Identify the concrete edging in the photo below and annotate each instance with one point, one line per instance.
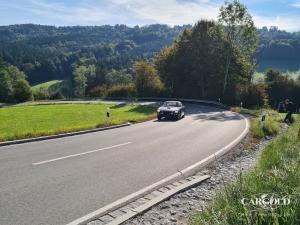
(162, 197)
(42, 138)
(189, 171)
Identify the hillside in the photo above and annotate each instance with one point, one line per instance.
(47, 52)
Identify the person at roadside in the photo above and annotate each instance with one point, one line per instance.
(289, 106)
(281, 107)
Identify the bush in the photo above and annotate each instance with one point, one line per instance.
(98, 91)
(41, 94)
(22, 91)
(57, 95)
(280, 87)
(147, 80)
(253, 95)
(13, 85)
(122, 91)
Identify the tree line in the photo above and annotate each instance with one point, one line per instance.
(212, 60)
(46, 53)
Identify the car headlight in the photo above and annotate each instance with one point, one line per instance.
(158, 110)
(176, 111)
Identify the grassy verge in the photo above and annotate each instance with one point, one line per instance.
(278, 172)
(272, 123)
(32, 121)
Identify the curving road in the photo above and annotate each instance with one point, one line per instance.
(57, 181)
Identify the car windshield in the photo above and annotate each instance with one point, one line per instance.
(172, 104)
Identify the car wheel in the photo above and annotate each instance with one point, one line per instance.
(178, 117)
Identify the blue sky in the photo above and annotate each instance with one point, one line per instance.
(284, 14)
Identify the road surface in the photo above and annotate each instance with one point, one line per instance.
(57, 181)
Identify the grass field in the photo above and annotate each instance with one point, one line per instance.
(46, 85)
(31, 121)
(277, 172)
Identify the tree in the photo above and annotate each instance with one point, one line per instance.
(90, 74)
(192, 67)
(240, 33)
(114, 77)
(253, 95)
(273, 75)
(80, 81)
(100, 74)
(22, 91)
(6, 88)
(281, 87)
(147, 81)
(13, 85)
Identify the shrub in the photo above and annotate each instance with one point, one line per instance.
(147, 80)
(280, 87)
(22, 91)
(122, 91)
(57, 95)
(98, 91)
(252, 95)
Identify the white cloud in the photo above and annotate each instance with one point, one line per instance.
(296, 4)
(283, 22)
(130, 12)
(170, 11)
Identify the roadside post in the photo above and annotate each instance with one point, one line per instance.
(263, 119)
(107, 116)
(241, 105)
(219, 100)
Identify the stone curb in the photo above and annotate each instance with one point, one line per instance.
(22, 141)
(162, 197)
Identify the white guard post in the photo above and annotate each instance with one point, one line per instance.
(263, 119)
(107, 116)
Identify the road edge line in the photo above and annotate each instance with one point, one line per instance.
(189, 171)
(43, 138)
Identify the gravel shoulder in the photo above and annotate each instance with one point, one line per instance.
(227, 169)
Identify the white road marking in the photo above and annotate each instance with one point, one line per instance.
(79, 154)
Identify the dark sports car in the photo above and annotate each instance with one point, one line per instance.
(171, 110)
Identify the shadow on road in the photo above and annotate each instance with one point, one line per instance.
(218, 117)
(210, 113)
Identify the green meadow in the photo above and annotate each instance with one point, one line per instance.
(19, 122)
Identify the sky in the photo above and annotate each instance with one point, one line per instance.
(283, 14)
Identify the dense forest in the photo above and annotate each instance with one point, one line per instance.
(48, 52)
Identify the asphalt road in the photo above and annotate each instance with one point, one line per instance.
(57, 181)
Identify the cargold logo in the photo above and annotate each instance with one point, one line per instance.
(267, 201)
